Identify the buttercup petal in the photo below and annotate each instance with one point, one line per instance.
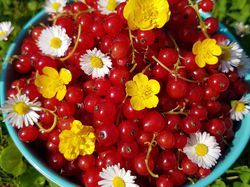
(51, 72)
(140, 79)
(65, 75)
(131, 88)
(151, 102)
(137, 103)
(212, 60)
(200, 61)
(61, 93)
(154, 85)
(196, 47)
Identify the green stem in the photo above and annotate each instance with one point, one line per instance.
(233, 178)
(148, 155)
(54, 122)
(175, 74)
(76, 44)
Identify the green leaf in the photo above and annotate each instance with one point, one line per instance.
(220, 9)
(240, 184)
(11, 161)
(245, 177)
(32, 178)
(238, 4)
(51, 184)
(218, 183)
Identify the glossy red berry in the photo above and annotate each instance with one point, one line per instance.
(28, 134)
(140, 165)
(166, 139)
(176, 88)
(128, 130)
(86, 162)
(219, 82)
(153, 122)
(168, 56)
(107, 135)
(188, 167)
(190, 124)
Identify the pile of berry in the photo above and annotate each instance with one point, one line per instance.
(146, 100)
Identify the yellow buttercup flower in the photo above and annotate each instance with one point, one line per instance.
(206, 52)
(79, 140)
(146, 14)
(143, 92)
(52, 83)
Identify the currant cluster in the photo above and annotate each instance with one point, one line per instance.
(148, 142)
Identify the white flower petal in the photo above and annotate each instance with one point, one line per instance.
(44, 41)
(208, 160)
(111, 172)
(5, 29)
(85, 62)
(55, 6)
(17, 120)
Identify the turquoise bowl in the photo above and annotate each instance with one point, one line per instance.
(240, 140)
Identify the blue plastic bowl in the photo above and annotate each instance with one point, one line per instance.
(240, 140)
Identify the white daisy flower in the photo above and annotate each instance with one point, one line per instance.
(231, 56)
(95, 63)
(241, 29)
(54, 41)
(244, 66)
(202, 149)
(55, 6)
(108, 6)
(5, 30)
(21, 111)
(114, 176)
(239, 109)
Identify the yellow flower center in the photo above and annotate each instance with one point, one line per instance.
(2, 33)
(96, 62)
(79, 140)
(149, 13)
(21, 108)
(111, 6)
(201, 149)
(226, 55)
(55, 6)
(118, 182)
(55, 42)
(239, 107)
(147, 92)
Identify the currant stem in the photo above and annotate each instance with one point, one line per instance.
(151, 144)
(191, 180)
(177, 64)
(54, 122)
(54, 19)
(84, 11)
(201, 22)
(145, 69)
(178, 159)
(75, 46)
(183, 113)
(119, 114)
(173, 73)
(133, 50)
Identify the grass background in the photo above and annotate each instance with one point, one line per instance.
(16, 172)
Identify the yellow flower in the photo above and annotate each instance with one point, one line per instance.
(52, 83)
(206, 52)
(79, 140)
(146, 14)
(143, 92)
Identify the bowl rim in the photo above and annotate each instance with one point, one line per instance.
(59, 180)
